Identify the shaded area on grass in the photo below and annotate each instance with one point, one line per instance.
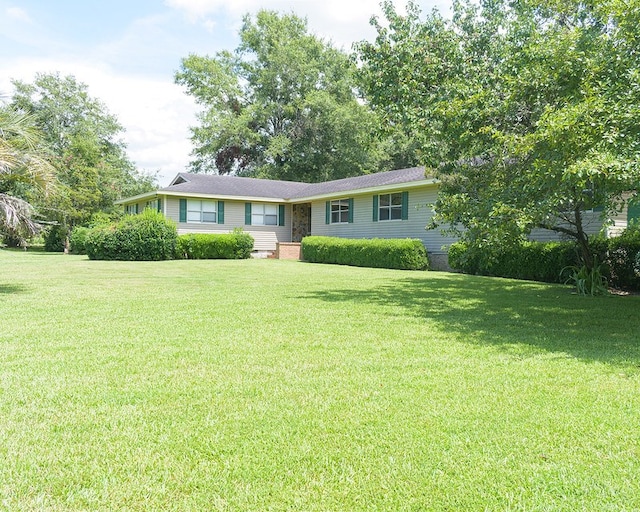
(7, 289)
(511, 315)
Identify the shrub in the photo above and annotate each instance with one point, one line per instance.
(538, 261)
(622, 257)
(535, 261)
(404, 254)
(54, 238)
(148, 236)
(78, 240)
(101, 243)
(230, 246)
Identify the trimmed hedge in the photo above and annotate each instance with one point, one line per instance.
(623, 259)
(230, 246)
(539, 261)
(144, 237)
(533, 261)
(403, 254)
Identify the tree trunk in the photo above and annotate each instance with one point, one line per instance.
(586, 255)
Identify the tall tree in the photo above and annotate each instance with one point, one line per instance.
(92, 167)
(528, 110)
(25, 173)
(281, 106)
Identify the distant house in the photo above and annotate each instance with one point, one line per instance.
(393, 204)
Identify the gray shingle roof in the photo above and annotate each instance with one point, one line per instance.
(188, 183)
(378, 179)
(233, 186)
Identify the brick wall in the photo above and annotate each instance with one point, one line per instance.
(288, 251)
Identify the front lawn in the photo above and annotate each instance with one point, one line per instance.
(276, 385)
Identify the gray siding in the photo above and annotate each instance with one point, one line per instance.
(592, 226)
(363, 225)
(265, 237)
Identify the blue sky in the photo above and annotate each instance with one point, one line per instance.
(128, 51)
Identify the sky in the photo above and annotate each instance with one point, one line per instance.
(127, 52)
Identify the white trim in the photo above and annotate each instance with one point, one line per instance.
(223, 197)
(135, 199)
(394, 187)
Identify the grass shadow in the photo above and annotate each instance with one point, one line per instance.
(8, 289)
(512, 314)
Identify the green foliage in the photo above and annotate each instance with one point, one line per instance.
(148, 236)
(556, 261)
(587, 281)
(230, 246)
(623, 259)
(78, 240)
(84, 144)
(403, 254)
(25, 175)
(55, 238)
(281, 106)
(535, 261)
(521, 109)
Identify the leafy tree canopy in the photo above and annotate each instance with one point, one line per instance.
(282, 105)
(526, 110)
(83, 138)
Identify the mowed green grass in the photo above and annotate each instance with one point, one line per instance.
(273, 385)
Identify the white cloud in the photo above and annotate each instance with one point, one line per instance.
(16, 13)
(133, 74)
(343, 22)
(156, 113)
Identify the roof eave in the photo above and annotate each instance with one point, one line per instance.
(368, 190)
(228, 197)
(133, 199)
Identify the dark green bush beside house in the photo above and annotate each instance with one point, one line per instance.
(534, 261)
(402, 254)
(144, 237)
(230, 246)
(622, 259)
(540, 261)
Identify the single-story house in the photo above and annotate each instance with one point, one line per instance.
(393, 204)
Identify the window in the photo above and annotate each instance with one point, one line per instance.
(390, 206)
(155, 205)
(131, 209)
(264, 214)
(340, 211)
(201, 211)
(193, 210)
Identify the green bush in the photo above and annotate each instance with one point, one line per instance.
(77, 241)
(538, 261)
(534, 261)
(229, 246)
(621, 259)
(404, 254)
(54, 238)
(101, 243)
(147, 236)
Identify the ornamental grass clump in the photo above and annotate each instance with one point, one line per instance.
(587, 281)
